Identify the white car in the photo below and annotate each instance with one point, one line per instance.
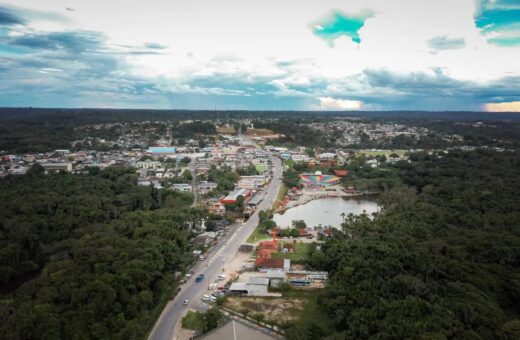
(222, 277)
(185, 302)
(205, 297)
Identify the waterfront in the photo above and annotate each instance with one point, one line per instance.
(326, 211)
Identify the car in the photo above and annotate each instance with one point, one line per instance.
(185, 302)
(201, 257)
(200, 278)
(205, 297)
(221, 277)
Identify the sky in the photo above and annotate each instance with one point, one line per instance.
(261, 55)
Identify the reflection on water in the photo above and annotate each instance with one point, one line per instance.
(325, 211)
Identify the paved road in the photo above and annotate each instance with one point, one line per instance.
(223, 252)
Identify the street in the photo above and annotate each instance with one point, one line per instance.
(217, 258)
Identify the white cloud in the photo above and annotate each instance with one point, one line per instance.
(328, 103)
(251, 41)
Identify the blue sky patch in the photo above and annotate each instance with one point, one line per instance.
(338, 24)
(501, 19)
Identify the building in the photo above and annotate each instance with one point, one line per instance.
(233, 196)
(341, 173)
(161, 150)
(251, 182)
(238, 330)
(57, 166)
(148, 164)
(275, 277)
(256, 286)
(317, 180)
(265, 264)
(182, 187)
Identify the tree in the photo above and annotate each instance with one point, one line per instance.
(212, 319)
(299, 224)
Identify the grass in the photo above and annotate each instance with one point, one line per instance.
(280, 196)
(257, 234)
(193, 320)
(383, 152)
(300, 251)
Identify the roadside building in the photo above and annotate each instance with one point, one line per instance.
(233, 196)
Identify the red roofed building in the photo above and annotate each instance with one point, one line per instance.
(302, 232)
(341, 173)
(272, 245)
(269, 263)
(265, 253)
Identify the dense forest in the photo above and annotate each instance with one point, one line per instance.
(88, 256)
(442, 260)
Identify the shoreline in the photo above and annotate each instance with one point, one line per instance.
(335, 194)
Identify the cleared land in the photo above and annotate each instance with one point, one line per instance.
(300, 250)
(382, 152)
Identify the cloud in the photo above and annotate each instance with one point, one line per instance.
(503, 107)
(499, 20)
(441, 43)
(338, 24)
(155, 46)
(328, 103)
(7, 17)
(74, 41)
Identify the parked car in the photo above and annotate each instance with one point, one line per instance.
(221, 277)
(205, 297)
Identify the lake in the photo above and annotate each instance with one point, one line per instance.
(325, 211)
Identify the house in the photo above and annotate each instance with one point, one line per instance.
(148, 164)
(341, 173)
(182, 187)
(264, 264)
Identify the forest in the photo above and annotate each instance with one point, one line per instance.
(441, 261)
(42, 130)
(88, 256)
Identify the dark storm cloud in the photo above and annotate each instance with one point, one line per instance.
(8, 17)
(74, 41)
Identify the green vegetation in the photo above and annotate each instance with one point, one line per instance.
(90, 256)
(224, 177)
(203, 322)
(299, 255)
(441, 261)
(264, 224)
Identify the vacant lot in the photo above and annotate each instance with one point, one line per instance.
(300, 250)
(278, 309)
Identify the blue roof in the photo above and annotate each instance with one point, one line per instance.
(161, 149)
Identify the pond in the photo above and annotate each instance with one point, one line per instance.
(326, 211)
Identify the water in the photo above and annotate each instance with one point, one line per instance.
(325, 211)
